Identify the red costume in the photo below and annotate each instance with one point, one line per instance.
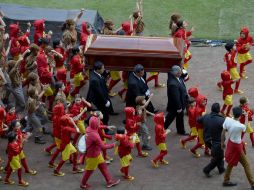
(132, 128)
(230, 59)
(94, 158)
(60, 61)
(84, 34)
(126, 26)
(66, 146)
(244, 57)
(124, 152)
(76, 73)
(104, 137)
(39, 30)
(61, 76)
(227, 92)
(160, 139)
(15, 49)
(248, 113)
(183, 34)
(10, 117)
(58, 112)
(199, 111)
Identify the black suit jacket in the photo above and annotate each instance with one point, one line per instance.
(98, 91)
(177, 93)
(136, 87)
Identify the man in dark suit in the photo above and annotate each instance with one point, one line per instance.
(98, 91)
(177, 99)
(137, 87)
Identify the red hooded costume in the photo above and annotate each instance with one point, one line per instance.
(15, 49)
(226, 83)
(240, 44)
(160, 133)
(39, 30)
(58, 112)
(131, 121)
(200, 109)
(84, 34)
(76, 65)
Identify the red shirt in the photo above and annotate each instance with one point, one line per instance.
(229, 58)
(15, 47)
(183, 34)
(59, 61)
(241, 43)
(227, 89)
(66, 132)
(249, 115)
(160, 134)
(78, 108)
(76, 65)
(131, 127)
(10, 117)
(192, 116)
(13, 149)
(125, 146)
(102, 133)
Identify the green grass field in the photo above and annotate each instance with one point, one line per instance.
(213, 19)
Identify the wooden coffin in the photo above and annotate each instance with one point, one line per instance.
(122, 53)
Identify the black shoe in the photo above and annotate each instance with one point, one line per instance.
(110, 132)
(252, 188)
(207, 174)
(229, 184)
(146, 147)
(222, 171)
(114, 113)
(39, 140)
(124, 121)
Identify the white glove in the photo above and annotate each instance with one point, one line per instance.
(107, 104)
(148, 93)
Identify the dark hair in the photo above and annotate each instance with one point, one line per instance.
(237, 112)
(179, 23)
(243, 100)
(58, 85)
(229, 46)
(120, 130)
(56, 42)
(138, 68)
(44, 41)
(215, 108)
(13, 124)
(11, 136)
(75, 50)
(97, 65)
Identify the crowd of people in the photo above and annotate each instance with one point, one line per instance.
(45, 83)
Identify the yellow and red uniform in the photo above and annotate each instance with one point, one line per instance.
(249, 114)
(160, 138)
(58, 111)
(13, 151)
(228, 91)
(76, 109)
(132, 128)
(183, 34)
(124, 152)
(200, 110)
(243, 55)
